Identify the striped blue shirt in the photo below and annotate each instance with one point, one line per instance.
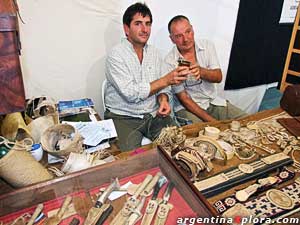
(128, 80)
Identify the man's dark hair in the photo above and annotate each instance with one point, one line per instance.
(136, 8)
(175, 19)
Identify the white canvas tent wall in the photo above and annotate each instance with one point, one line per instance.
(64, 43)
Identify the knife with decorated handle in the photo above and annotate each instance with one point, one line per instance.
(131, 203)
(35, 214)
(56, 219)
(164, 207)
(154, 202)
(136, 214)
(99, 213)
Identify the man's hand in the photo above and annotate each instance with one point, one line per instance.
(177, 75)
(195, 70)
(210, 75)
(164, 109)
(164, 106)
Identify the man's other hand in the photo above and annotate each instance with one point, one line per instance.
(177, 75)
(164, 108)
(195, 70)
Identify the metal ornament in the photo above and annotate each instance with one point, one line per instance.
(276, 202)
(280, 199)
(244, 153)
(213, 184)
(246, 168)
(235, 126)
(237, 210)
(212, 132)
(244, 194)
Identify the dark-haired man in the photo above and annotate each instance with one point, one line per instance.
(197, 98)
(136, 94)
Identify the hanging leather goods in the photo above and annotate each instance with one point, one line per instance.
(12, 93)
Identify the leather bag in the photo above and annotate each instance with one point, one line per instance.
(291, 124)
(290, 101)
(11, 82)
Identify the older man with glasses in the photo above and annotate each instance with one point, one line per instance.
(196, 98)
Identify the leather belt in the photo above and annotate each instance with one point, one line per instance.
(264, 207)
(276, 203)
(244, 172)
(224, 204)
